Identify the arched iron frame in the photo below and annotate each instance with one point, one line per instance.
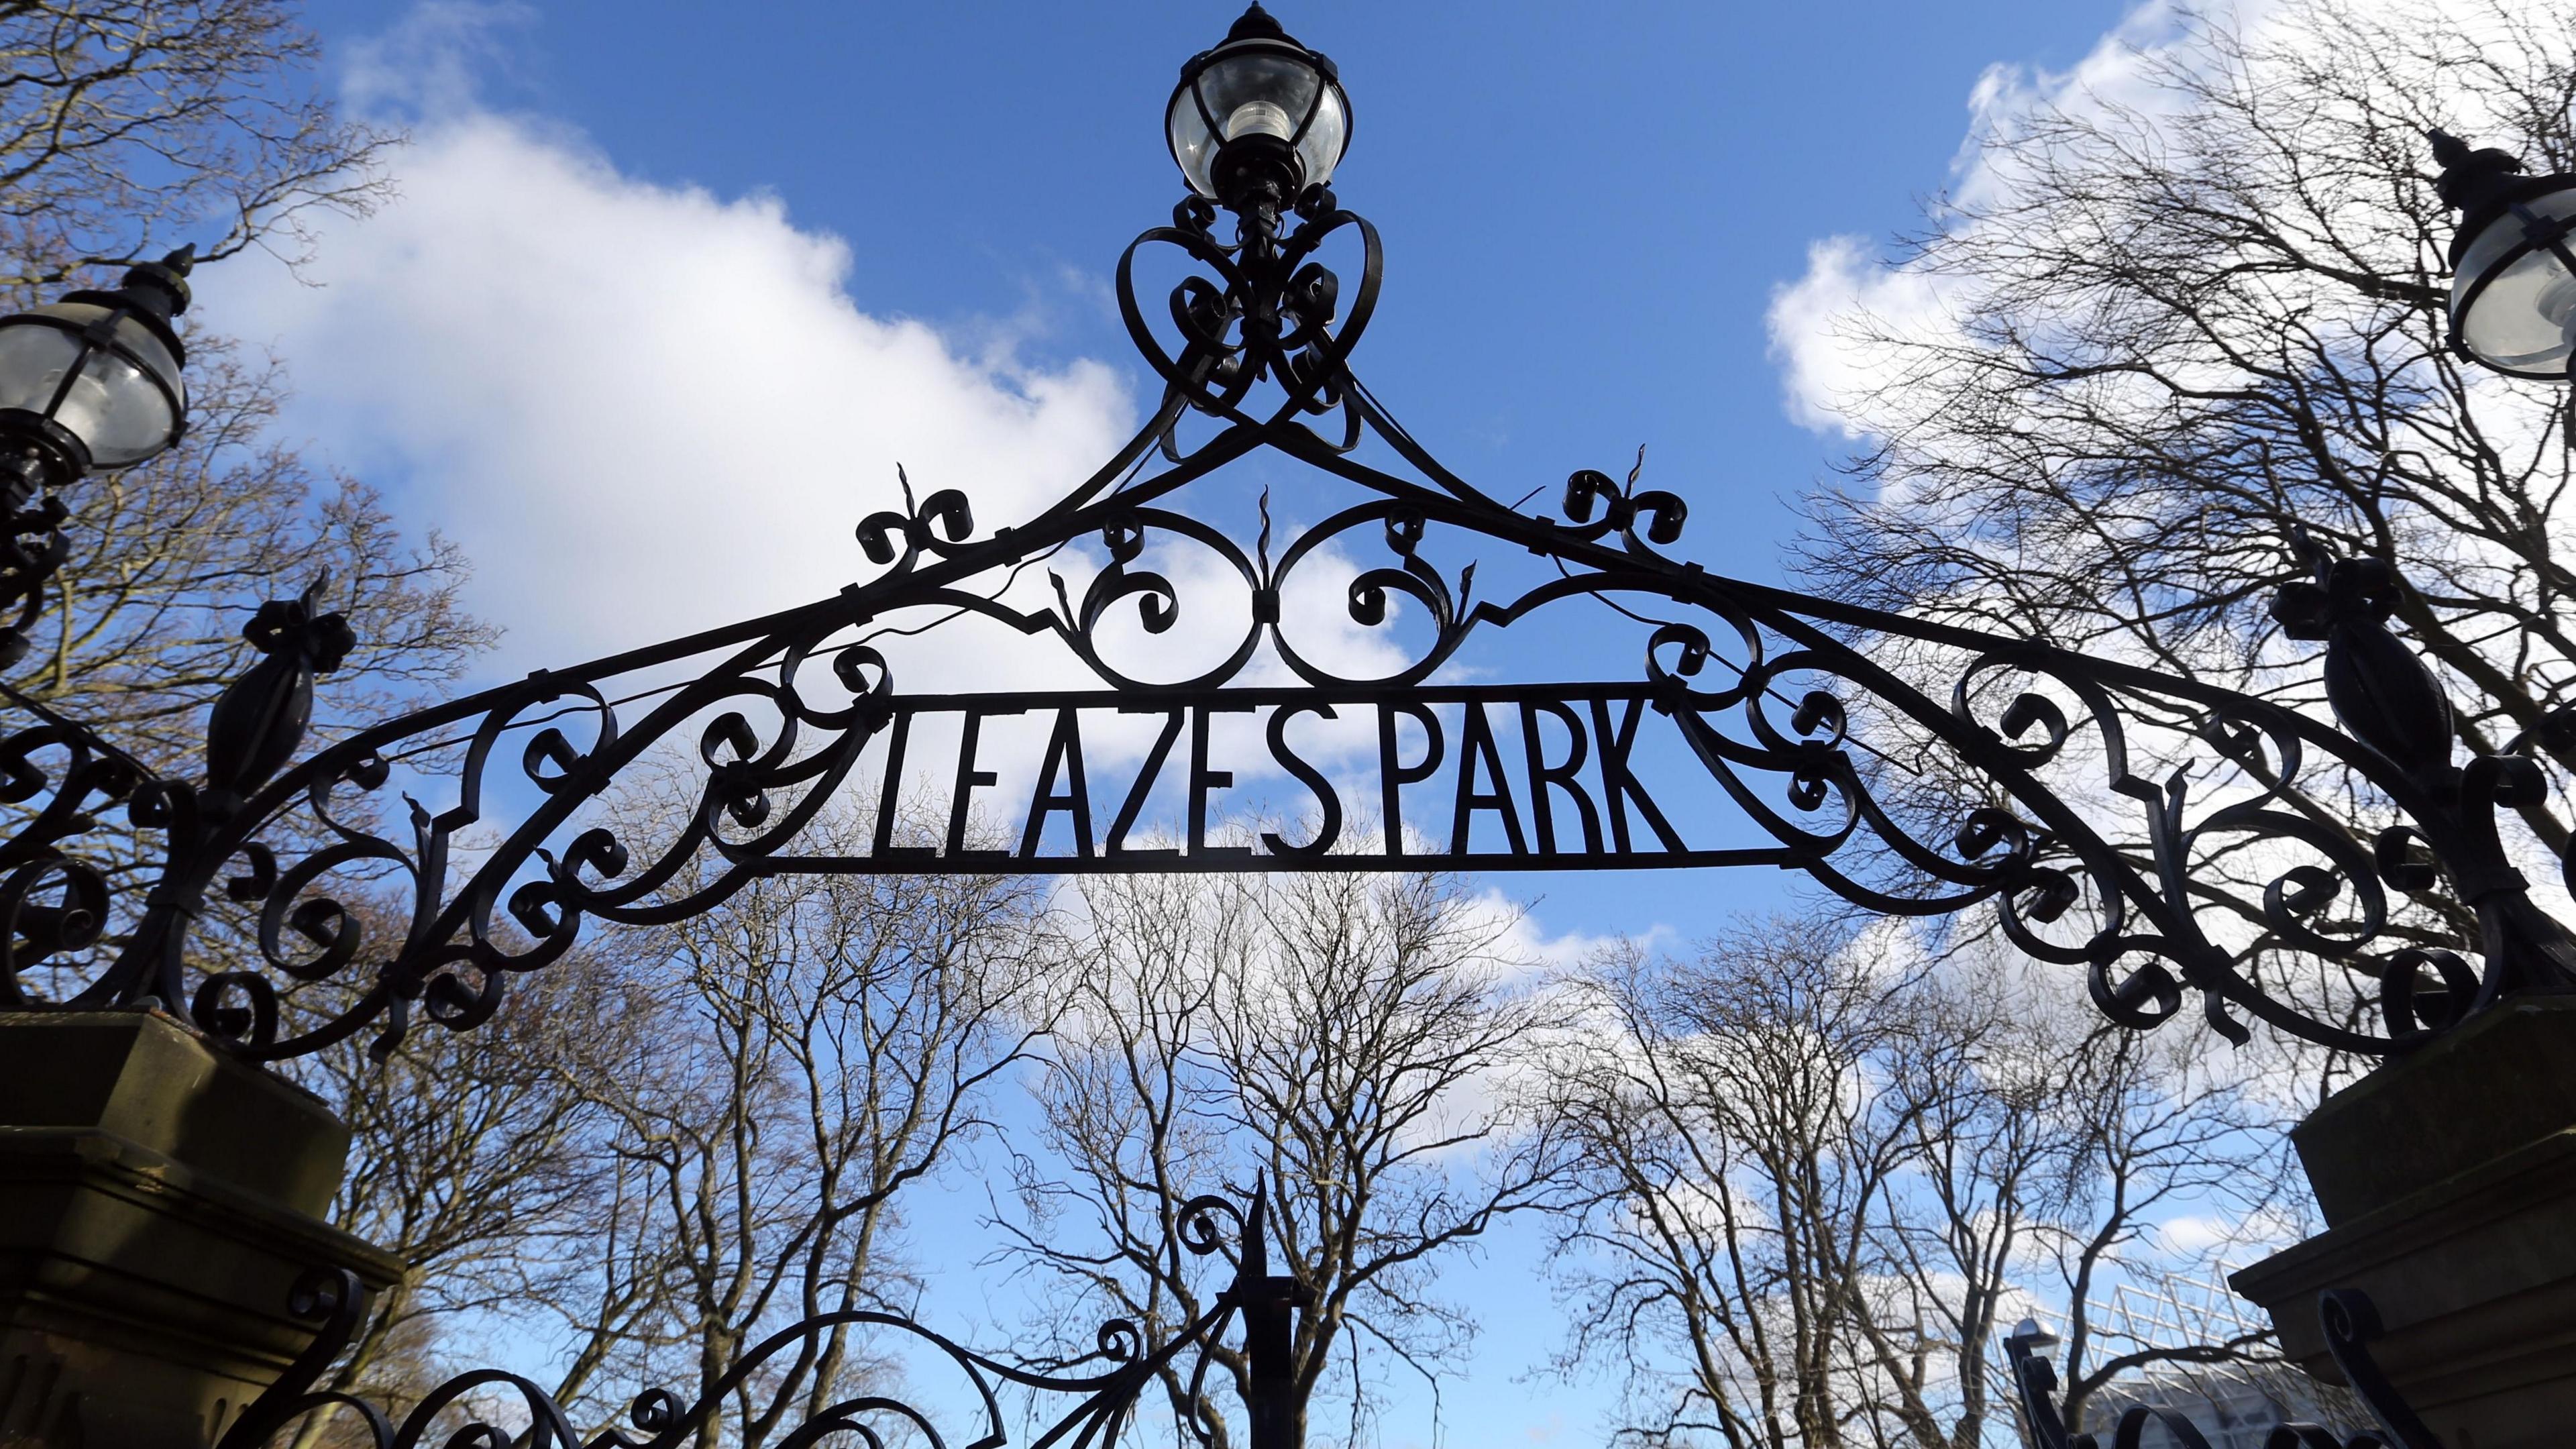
(1766, 685)
(782, 719)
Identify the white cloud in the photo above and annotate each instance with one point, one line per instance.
(431, 63)
(1821, 371)
(1826, 374)
(642, 410)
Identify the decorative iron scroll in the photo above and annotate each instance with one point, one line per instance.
(2351, 1322)
(462, 1411)
(2170, 839)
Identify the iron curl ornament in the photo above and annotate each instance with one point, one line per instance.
(2351, 1323)
(497, 1409)
(2180, 844)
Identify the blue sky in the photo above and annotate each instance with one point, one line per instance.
(611, 211)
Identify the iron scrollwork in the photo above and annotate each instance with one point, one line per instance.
(2166, 837)
(1103, 1385)
(2351, 1322)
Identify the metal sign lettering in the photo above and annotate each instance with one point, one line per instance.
(1547, 773)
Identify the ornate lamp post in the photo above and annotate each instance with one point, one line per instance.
(91, 382)
(2513, 285)
(1259, 120)
(1764, 689)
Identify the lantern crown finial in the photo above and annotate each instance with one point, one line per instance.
(161, 287)
(1257, 24)
(2474, 180)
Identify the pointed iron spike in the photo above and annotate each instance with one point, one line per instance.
(1256, 1232)
(1256, 23)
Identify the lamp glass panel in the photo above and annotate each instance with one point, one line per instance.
(121, 413)
(33, 357)
(1191, 144)
(1262, 93)
(1321, 149)
(136, 338)
(2525, 319)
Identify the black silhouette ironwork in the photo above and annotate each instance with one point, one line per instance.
(1789, 704)
(2350, 1321)
(1802, 721)
(497, 1409)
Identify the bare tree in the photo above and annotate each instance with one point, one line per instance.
(1737, 1169)
(170, 559)
(1816, 1178)
(127, 126)
(2173, 322)
(476, 1160)
(2161, 1127)
(1342, 1041)
(799, 1057)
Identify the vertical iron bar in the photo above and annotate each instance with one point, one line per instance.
(1270, 1392)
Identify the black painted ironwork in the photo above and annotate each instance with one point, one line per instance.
(2351, 1323)
(2511, 226)
(497, 1409)
(1799, 721)
(64, 367)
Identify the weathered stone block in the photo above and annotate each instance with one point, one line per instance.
(157, 1200)
(2448, 1183)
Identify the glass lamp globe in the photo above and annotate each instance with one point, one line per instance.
(2513, 283)
(93, 380)
(1259, 102)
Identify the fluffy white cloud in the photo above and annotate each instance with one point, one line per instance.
(642, 410)
(1826, 374)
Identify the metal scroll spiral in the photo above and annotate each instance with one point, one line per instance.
(368, 925)
(1368, 598)
(1264, 308)
(773, 744)
(2142, 935)
(1394, 530)
(1104, 1384)
(2244, 788)
(2350, 1321)
(54, 905)
(2139, 968)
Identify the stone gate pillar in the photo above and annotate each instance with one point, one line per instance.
(2448, 1184)
(157, 1200)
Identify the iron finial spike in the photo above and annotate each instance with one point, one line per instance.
(161, 288)
(2474, 180)
(1256, 23)
(1256, 1228)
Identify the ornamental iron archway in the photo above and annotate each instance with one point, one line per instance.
(1789, 703)
(2108, 789)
